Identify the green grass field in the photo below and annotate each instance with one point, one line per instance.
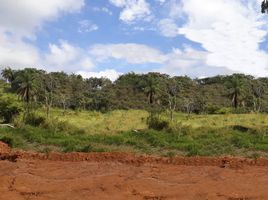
(108, 123)
(117, 121)
(189, 135)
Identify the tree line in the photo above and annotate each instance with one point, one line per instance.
(212, 95)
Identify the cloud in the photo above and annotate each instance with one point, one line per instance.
(108, 73)
(23, 18)
(190, 62)
(168, 28)
(20, 20)
(133, 10)
(231, 31)
(16, 53)
(67, 58)
(87, 26)
(175, 10)
(185, 61)
(161, 1)
(131, 52)
(118, 3)
(103, 9)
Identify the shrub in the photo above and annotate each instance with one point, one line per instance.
(8, 140)
(212, 109)
(240, 128)
(9, 108)
(192, 149)
(34, 119)
(156, 123)
(241, 141)
(57, 125)
(240, 111)
(18, 122)
(224, 110)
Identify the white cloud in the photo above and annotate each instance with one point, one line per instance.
(16, 53)
(161, 1)
(132, 53)
(190, 62)
(175, 10)
(230, 31)
(109, 73)
(133, 10)
(186, 61)
(103, 9)
(119, 3)
(168, 28)
(67, 57)
(20, 19)
(24, 17)
(86, 26)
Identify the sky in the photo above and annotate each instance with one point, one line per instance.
(107, 38)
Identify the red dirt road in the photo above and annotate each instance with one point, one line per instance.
(122, 176)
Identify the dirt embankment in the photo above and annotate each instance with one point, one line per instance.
(4, 148)
(116, 176)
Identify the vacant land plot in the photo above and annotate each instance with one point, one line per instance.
(57, 176)
(127, 131)
(124, 176)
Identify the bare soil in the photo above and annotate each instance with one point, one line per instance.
(90, 176)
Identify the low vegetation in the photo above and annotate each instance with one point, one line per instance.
(151, 113)
(205, 135)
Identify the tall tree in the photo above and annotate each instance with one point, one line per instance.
(151, 88)
(26, 88)
(47, 88)
(8, 74)
(172, 90)
(235, 86)
(258, 89)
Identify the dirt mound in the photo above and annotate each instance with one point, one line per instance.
(126, 158)
(4, 148)
(44, 179)
(94, 176)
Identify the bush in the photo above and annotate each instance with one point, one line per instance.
(56, 125)
(241, 141)
(9, 108)
(240, 111)
(212, 109)
(18, 122)
(240, 128)
(87, 148)
(224, 110)
(34, 119)
(156, 123)
(8, 140)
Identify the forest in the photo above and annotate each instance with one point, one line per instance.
(143, 113)
(237, 93)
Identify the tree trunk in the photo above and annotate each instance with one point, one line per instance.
(48, 105)
(151, 99)
(235, 100)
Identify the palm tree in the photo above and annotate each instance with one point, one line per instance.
(8, 74)
(151, 89)
(235, 86)
(26, 88)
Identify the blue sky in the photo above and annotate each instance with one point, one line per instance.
(112, 37)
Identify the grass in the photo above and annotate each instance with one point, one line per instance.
(126, 131)
(219, 121)
(107, 123)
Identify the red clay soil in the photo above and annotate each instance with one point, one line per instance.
(4, 148)
(120, 176)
